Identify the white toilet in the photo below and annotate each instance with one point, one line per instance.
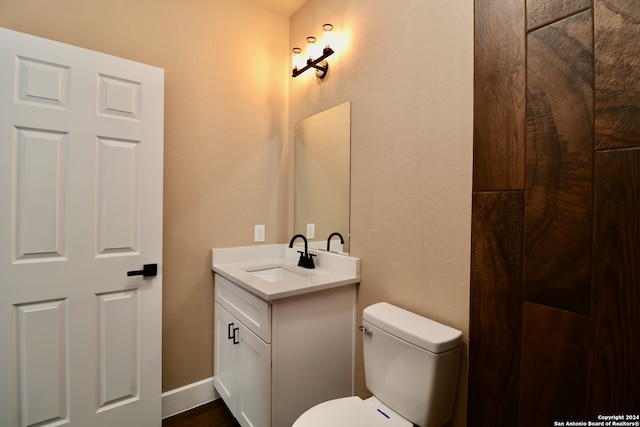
(411, 367)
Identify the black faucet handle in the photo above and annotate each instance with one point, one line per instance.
(306, 261)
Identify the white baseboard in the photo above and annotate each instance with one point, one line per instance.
(188, 397)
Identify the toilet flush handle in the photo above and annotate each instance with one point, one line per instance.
(366, 331)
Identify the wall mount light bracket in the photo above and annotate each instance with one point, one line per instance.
(320, 64)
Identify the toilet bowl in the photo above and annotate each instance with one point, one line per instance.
(411, 367)
(351, 412)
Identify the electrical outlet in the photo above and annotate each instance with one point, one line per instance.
(311, 231)
(258, 233)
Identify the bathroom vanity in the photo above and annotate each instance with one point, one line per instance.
(284, 335)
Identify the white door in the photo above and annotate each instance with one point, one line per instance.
(81, 144)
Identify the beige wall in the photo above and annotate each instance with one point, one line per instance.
(407, 68)
(226, 77)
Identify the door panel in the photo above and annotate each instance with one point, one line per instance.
(119, 97)
(42, 83)
(80, 205)
(117, 181)
(42, 361)
(39, 193)
(118, 355)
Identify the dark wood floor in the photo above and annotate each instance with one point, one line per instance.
(214, 414)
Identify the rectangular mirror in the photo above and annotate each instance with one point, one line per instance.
(322, 177)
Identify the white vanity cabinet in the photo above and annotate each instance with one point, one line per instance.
(273, 360)
(242, 365)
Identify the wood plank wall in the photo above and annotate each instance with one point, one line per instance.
(555, 268)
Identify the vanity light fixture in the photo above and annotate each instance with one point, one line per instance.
(320, 62)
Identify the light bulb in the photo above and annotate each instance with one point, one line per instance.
(297, 61)
(312, 48)
(327, 38)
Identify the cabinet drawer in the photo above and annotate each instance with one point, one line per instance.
(253, 312)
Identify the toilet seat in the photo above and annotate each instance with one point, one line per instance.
(351, 412)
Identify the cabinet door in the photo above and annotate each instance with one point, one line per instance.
(254, 380)
(224, 365)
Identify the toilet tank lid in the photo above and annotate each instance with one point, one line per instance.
(413, 328)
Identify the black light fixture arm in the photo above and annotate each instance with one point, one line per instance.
(318, 63)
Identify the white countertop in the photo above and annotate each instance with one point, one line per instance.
(332, 270)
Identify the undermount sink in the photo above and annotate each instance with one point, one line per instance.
(270, 272)
(276, 274)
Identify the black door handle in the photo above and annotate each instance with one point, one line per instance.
(147, 270)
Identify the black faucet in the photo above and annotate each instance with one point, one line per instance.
(329, 240)
(306, 259)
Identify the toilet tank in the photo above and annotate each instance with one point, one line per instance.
(411, 363)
